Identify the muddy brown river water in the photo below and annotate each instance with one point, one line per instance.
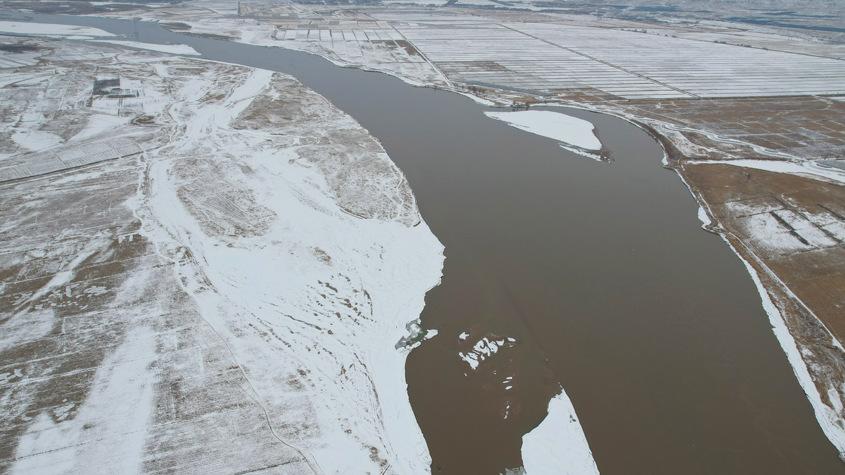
(600, 271)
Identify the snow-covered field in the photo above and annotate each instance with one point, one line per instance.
(776, 228)
(233, 297)
(546, 53)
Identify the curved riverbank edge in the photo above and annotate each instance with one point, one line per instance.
(537, 447)
(671, 141)
(775, 295)
(360, 402)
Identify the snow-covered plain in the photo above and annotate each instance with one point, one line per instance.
(235, 293)
(570, 131)
(341, 283)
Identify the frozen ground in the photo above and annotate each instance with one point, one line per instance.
(230, 298)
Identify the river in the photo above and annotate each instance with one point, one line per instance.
(600, 272)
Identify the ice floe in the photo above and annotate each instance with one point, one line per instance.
(558, 445)
(483, 349)
(566, 129)
(171, 49)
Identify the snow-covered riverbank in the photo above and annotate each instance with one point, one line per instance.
(280, 258)
(309, 276)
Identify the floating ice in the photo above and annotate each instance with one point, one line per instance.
(554, 125)
(483, 349)
(172, 49)
(558, 445)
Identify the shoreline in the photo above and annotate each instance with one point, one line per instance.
(673, 159)
(337, 384)
(765, 280)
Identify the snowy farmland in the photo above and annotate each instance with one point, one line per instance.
(546, 57)
(68, 157)
(363, 43)
(542, 53)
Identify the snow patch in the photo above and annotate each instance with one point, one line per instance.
(61, 278)
(108, 433)
(35, 140)
(777, 228)
(99, 124)
(26, 327)
(703, 217)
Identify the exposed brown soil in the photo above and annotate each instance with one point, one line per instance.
(807, 127)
